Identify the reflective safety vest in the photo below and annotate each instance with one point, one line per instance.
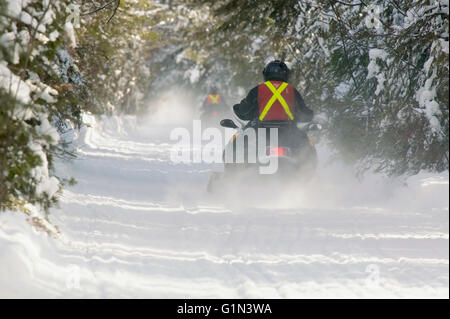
(214, 99)
(276, 101)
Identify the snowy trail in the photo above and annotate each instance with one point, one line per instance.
(137, 225)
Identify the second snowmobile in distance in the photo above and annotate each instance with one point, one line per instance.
(213, 109)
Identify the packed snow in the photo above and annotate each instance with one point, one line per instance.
(138, 225)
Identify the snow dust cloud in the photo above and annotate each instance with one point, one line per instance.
(335, 184)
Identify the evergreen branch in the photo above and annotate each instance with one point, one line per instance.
(395, 4)
(106, 5)
(350, 4)
(115, 10)
(98, 9)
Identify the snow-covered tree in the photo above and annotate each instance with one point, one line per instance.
(31, 31)
(59, 59)
(115, 40)
(378, 69)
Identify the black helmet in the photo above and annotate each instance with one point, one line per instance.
(213, 89)
(276, 71)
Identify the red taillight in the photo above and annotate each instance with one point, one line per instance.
(277, 151)
(214, 113)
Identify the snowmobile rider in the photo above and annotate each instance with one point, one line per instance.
(275, 99)
(213, 106)
(213, 98)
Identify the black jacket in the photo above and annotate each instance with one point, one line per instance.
(248, 109)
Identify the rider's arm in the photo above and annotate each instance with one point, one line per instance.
(248, 108)
(302, 112)
(205, 102)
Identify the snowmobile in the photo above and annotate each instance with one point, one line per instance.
(295, 155)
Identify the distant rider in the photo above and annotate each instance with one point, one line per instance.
(214, 102)
(213, 97)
